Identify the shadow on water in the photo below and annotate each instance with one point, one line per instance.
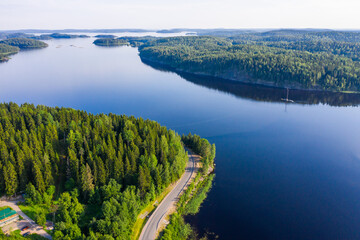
(264, 93)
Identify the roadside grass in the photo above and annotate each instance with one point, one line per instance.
(32, 210)
(140, 223)
(5, 207)
(17, 235)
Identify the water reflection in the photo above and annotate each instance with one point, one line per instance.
(263, 93)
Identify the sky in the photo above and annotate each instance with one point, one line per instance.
(165, 14)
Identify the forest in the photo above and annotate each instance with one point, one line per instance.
(6, 50)
(105, 36)
(289, 58)
(137, 41)
(96, 172)
(14, 45)
(110, 42)
(24, 43)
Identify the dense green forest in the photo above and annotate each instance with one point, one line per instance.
(6, 50)
(13, 45)
(105, 36)
(24, 43)
(58, 35)
(106, 168)
(294, 59)
(138, 41)
(109, 42)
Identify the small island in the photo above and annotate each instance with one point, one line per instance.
(24, 43)
(58, 36)
(108, 42)
(14, 45)
(7, 50)
(105, 36)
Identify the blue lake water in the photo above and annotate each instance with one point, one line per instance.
(283, 171)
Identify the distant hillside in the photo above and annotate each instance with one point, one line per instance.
(319, 61)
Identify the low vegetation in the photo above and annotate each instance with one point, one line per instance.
(16, 235)
(191, 200)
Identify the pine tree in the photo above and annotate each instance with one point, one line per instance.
(87, 182)
(10, 179)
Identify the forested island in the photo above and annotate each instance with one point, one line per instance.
(110, 42)
(58, 35)
(292, 59)
(7, 50)
(24, 43)
(96, 172)
(14, 45)
(105, 36)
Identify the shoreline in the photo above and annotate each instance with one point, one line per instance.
(259, 83)
(173, 202)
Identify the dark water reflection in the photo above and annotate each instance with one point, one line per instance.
(263, 93)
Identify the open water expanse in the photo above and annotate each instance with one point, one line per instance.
(283, 171)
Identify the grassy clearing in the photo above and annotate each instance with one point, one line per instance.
(140, 223)
(32, 210)
(16, 235)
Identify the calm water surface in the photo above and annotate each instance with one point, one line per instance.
(282, 171)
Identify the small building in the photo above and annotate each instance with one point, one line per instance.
(7, 216)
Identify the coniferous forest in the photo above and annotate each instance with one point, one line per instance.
(294, 59)
(94, 172)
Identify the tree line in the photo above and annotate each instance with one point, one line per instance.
(6, 50)
(115, 163)
(310, 65)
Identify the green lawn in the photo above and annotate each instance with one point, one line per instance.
(31, 211)
(16, 235)
(5, 207)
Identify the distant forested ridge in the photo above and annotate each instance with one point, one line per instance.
(110, 42)
(289, 58)
(105, 36)
(24, 43)
(62, 35)
(106, 168)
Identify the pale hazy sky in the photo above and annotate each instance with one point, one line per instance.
(159, 14)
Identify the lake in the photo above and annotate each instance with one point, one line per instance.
(283, 171)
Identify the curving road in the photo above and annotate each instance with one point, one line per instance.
(152, 225)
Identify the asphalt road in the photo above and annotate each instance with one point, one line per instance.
(152, 225)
